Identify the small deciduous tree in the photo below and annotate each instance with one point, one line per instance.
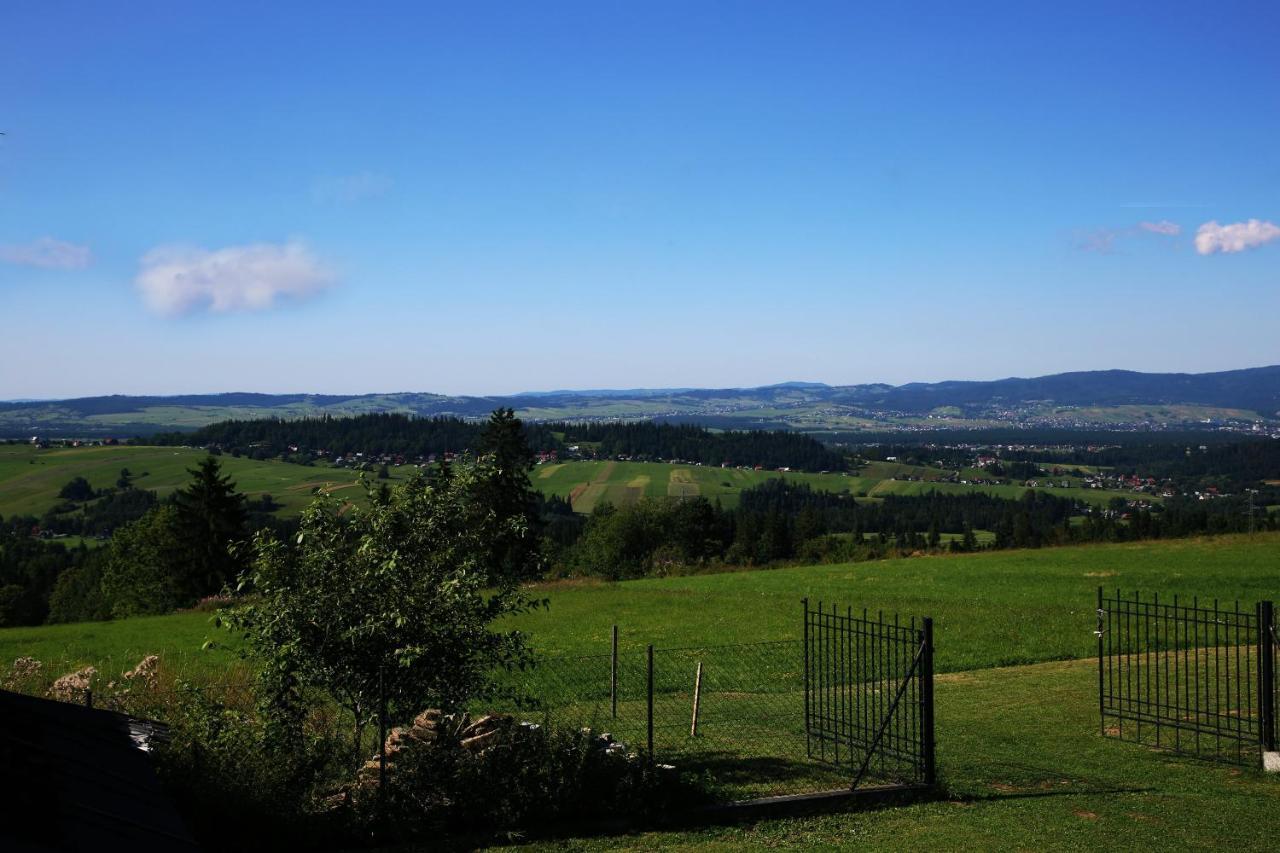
(78, 489)
(141, 575)
(400, 591)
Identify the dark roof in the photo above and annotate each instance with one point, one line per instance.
(76, 778)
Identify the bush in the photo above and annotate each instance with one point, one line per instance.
(238, 787)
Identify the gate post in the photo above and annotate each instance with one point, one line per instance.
(808, 744)
(1267, 676)
(1102, 705)
(650, 703)
(926, 705)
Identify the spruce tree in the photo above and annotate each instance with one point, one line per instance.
(505, 491)
(210, 518)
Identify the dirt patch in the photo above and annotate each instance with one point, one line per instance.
(954, 677)
(1099, 574)
(1084, 815)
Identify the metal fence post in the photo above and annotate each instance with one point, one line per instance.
(650, 703)
(613, 677)
(926, 706)
(1267, 675)
(808, 727)
(1102, 708)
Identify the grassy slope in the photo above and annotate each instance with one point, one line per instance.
(624, 482)
(1023, 764)
(991, 609)
(30, 478)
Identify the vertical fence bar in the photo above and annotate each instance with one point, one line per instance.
(808, 726)
(1101, 632)
(650, 703)
(1267, 675)
(926, 705)
(613, 677)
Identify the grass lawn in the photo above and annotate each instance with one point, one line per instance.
(1023, 764)
(990, 609)
(1024, 768)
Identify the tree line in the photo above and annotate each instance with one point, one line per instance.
(415, 437)
(784, 521)
(646, 440)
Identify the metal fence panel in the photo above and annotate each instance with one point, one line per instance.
(1194, 677)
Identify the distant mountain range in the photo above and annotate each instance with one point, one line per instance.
(1119, 399)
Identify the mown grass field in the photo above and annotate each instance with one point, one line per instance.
(588, 483)
(990, 609)
(30, 478)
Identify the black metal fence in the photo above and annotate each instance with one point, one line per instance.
(869, 695)
(850, 703)
(1195, 677)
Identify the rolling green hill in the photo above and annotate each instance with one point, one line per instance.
(30, 478)
(992, 609)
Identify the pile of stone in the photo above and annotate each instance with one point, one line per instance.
(430, 726)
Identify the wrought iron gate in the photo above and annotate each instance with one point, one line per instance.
(1191, 676)
(869, 695)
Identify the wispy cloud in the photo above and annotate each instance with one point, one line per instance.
(48, 253)
(1160, 204)
(346, 189)
(1235, 237)
(1164, 226)
(1104, 240)
(177, 280)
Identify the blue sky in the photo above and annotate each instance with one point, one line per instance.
(488, 198)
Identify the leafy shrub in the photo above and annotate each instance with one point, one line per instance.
(237, 785)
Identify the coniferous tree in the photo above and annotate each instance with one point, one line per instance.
(505, 491)
(210, 517)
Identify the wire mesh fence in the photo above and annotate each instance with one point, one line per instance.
(849, 703)
(733, 714)
(1190, 676)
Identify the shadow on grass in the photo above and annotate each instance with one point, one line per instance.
(1034, 782)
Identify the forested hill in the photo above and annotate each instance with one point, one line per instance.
(1107, 399)
(645, 440)
(410, 437)
(393, 434)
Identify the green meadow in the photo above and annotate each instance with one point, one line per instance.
(30, 478)
(588, 483)
(990, 609)
(1022, 762)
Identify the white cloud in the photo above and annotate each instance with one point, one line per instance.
(346, 189)
(1164, 226)
(1104, 240)
(48, 253)
(1101, 240)
(1235, 237)
(177, 279)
